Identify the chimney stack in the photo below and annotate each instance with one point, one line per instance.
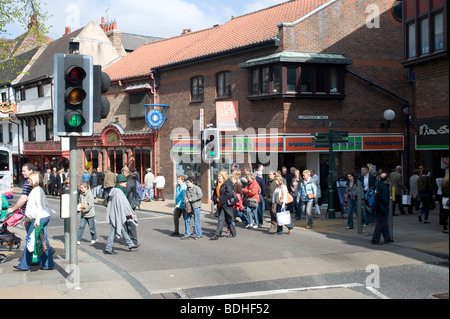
(68, 30)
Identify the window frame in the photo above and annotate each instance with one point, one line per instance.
(417, 19)
(198, 96)
(291, 86)
(225, 92)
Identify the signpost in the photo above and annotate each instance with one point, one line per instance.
(328, 139)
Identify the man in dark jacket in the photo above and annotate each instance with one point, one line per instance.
(382, 209)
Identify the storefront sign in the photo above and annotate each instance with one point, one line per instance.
(227, 114)
(433, 133)
(294, 144)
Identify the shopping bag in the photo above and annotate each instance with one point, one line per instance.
(31, 241)
(37, 246)
(283, 218)
(15, 218)
(317, 209)
(445, 203)
(44, 241)
(406, 199)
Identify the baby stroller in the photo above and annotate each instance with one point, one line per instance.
(11, 219)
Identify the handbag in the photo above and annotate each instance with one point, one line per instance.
(188, 207)
(232, 200)
(406, 199)
(283, 218)
(310, 195)
(252, 202)
(290, 198)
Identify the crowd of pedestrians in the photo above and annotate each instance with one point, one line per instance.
(244, 195)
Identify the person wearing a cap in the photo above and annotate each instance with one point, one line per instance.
(117, 213)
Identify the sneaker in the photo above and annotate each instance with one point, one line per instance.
(78, 243)
(255, 226)
(249, 226)
(93, 241)
(184, 237)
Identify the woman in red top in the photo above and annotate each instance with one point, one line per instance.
(252, 191)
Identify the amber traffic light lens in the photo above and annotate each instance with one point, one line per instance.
(75, 96)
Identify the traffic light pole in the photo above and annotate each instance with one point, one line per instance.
(73, 251)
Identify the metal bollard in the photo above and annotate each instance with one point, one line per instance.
(359, 204)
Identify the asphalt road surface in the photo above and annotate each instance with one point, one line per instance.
(256, 264)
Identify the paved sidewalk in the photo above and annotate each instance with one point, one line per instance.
(100, 280)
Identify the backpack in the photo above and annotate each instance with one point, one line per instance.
(139, 191)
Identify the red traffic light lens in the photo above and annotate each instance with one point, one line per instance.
(75, 74)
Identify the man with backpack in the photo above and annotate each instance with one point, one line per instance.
(381, 199)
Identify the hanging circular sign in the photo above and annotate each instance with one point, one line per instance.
(155, 119)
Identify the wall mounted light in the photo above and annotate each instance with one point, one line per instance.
(388, 115)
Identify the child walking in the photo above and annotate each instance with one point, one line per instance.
(87, 210)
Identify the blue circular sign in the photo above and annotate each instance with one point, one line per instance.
(155, 119)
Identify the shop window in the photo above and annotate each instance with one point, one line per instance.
(223, 86)
(197, 89)
(137, 104)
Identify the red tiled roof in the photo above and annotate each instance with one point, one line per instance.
(253, 28)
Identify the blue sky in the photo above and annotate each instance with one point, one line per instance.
(160, 18)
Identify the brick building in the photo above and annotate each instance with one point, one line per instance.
(426, 57)
(282, 73)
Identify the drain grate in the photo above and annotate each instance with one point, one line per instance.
(441, 296)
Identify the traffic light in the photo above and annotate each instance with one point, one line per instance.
(102, 83)
(73, 95)
(211, 142)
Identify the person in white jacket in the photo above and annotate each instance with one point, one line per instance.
(37, 214)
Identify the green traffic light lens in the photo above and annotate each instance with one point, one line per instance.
(76, 120)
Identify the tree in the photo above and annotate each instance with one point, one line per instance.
(20, 12)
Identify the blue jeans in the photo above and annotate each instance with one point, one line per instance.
(242, 216)
(148, 192)
(351, 209)
(426, 201)
(197, 223)
(307, 209)
(254, 212)
(112, 234)
(297, 207)
(261, 208)
(46, 258)
(91, 223)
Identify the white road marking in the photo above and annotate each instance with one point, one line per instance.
(280, 291)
